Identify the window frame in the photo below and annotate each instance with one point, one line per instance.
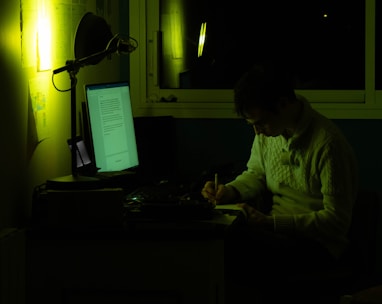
(205, 103)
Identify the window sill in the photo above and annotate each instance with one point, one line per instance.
(226, 110)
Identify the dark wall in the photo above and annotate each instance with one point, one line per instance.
(205, 145)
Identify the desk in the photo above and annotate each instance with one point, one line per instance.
(149, 262)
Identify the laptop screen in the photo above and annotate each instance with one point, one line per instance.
(111, 126)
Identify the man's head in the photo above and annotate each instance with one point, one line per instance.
(265, 97)
(262, 87)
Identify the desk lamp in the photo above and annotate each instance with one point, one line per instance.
(93, 42)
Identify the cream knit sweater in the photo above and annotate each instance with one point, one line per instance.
(312, 176)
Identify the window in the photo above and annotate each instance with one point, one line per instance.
(331, 45)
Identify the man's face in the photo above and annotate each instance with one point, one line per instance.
(266, 122)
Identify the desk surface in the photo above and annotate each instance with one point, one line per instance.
(142, 228)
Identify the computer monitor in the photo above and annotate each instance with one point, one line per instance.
(111, 126)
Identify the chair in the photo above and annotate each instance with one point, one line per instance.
(356, 270)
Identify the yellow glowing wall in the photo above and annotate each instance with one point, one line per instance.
(173, 25)
(36, 36)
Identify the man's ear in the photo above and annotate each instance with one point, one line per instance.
(283, 102)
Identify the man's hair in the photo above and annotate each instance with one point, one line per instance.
(262, 87)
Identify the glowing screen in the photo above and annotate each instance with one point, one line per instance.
(112, 126)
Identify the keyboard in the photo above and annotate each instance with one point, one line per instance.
(166, 202)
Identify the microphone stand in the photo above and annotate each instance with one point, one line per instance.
(75, 181)
(73, 117)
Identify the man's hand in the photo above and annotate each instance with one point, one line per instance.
(223, 195)
(256, 218)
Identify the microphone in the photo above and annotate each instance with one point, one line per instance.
(126, 46)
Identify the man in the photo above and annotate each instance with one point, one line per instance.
(305, 163)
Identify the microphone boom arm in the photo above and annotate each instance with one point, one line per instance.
(120, 46)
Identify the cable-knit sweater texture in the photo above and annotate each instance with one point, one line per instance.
(312, 177)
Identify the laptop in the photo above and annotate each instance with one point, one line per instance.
(109, 125)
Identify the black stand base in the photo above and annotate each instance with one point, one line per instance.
(71, 182)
